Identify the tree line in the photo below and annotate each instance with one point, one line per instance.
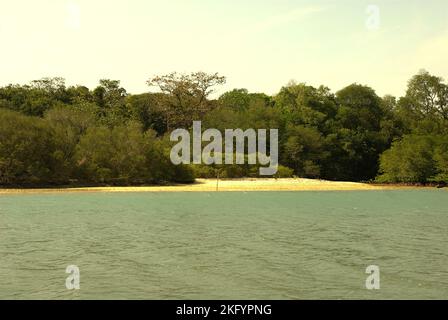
(51, 134)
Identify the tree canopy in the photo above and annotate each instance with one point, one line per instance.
(53, 134)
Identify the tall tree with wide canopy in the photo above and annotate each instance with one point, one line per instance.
(186, 96)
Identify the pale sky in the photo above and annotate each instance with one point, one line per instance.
(257, 44)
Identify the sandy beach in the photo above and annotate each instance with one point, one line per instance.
(290, 184)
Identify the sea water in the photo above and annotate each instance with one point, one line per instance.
(225, 245)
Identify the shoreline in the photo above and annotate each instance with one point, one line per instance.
(228, 185)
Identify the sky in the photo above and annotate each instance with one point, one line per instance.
(260, 45)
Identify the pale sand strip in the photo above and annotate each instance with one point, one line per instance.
(258, 184)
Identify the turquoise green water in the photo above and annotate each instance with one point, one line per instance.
(260, 245)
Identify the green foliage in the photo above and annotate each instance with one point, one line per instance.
(284, 172)
(115, 156)
(68, 126)
(441, 161)
(237, 99)
(360, 108)
(424, 108)
(408, 160)
(27, 151)
(53, 134)
(148, 109)
(421, 155)
(207, 172)
(304, 151)
(305, 105)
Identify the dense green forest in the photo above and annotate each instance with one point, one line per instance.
(51, 134)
